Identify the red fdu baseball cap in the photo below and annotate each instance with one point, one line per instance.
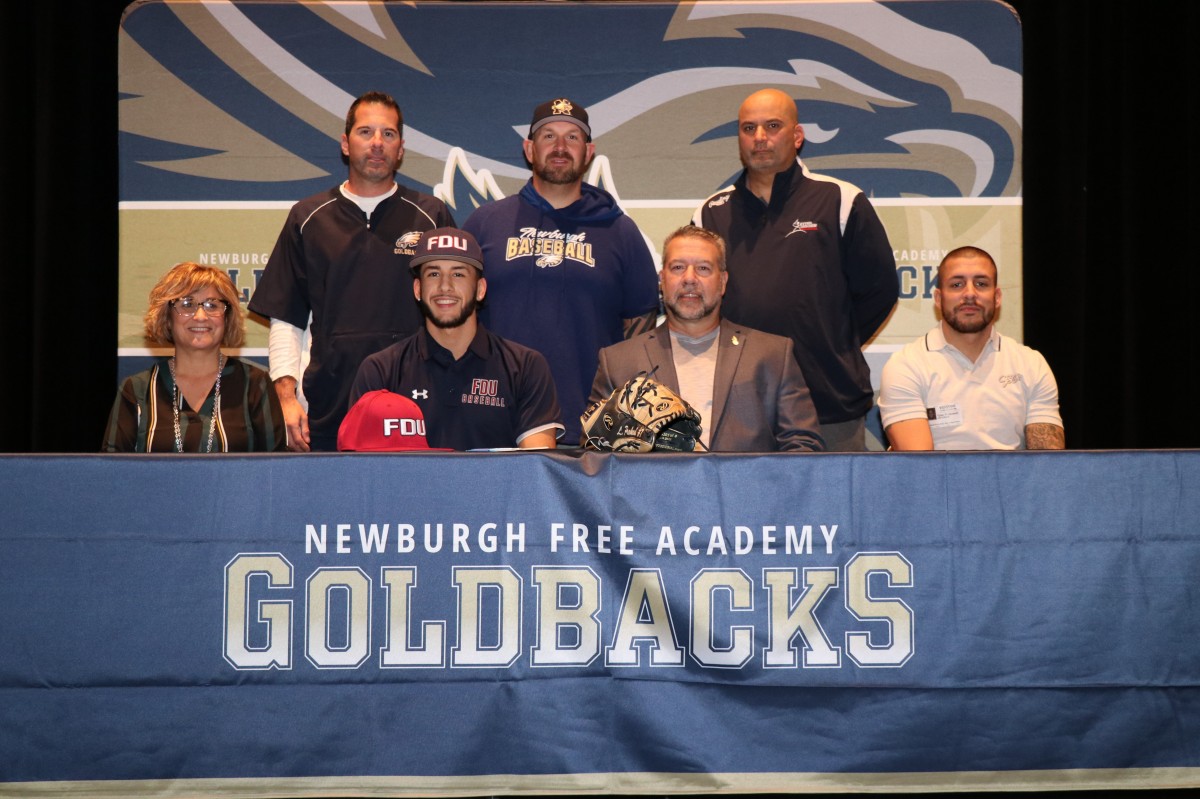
(384, 422)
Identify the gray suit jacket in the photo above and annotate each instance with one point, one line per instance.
(760, 400)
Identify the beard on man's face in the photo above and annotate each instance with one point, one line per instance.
(972, 325)
(560, 175)
(446, 323)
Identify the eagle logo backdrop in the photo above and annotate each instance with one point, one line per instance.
(232, 111)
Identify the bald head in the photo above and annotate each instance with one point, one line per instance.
(768, 132)
(772, 102)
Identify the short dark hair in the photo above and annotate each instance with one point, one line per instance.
(694, 232)
(967, 252)
(381, 99)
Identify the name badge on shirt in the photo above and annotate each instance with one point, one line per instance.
(944, 415)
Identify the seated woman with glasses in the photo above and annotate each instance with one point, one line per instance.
(199, 399)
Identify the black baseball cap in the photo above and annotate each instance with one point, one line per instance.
(447, 243)
(560, 110)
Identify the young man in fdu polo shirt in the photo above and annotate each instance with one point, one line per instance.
(475, 389)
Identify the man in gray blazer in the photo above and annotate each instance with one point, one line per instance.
(745, 383)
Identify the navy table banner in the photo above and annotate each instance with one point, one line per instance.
(391, 625)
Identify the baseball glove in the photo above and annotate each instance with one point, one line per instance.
(641, 416)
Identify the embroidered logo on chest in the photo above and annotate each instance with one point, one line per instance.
(484, 392)
(802, 227)
(407, 244)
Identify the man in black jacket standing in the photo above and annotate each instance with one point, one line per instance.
(808, 259)
(339, 272)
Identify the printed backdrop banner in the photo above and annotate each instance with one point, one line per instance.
(232, 110)
(474, 623)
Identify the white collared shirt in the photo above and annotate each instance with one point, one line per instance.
(984, 404)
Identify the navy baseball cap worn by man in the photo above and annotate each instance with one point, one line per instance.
(560, 110)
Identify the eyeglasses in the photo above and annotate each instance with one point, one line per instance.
(188, 307)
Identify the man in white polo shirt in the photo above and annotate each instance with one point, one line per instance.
(963, 385)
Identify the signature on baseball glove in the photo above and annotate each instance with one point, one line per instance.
(642, 416)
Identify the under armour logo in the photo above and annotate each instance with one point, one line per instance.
(420, 393)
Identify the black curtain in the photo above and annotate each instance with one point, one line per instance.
(1110, 270)
(1110, 216)
(58, 309)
